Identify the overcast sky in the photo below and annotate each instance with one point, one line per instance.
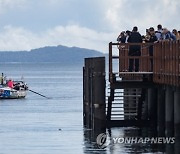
(29, 24)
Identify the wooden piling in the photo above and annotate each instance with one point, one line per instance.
(169, 101)
(86, 94)
(177, 112)
(109, 108)
(177, 119)
(94, 94)
(152, 106)
(145, 106)
(161, 111)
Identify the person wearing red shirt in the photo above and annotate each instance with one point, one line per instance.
(10, 84)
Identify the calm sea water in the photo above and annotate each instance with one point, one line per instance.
(36, 125)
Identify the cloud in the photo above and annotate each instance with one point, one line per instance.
(89, 24)
(124, 14)
(9, 4)
(18, 38)
(53, 2)
(114, 12)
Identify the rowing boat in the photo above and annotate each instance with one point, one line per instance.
(19, 91)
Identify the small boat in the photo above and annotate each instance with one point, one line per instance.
(18, 91)
(14, 89)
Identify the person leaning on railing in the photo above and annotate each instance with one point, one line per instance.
(178, 35)
(175, 32)
(152, 39)
(158, 33)
(122, 37)
(167, 35)
(134, 50)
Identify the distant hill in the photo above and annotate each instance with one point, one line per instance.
(61, 54)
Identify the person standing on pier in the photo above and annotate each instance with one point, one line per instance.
(167, 35)
(159, 31)
(122, 37)
(152, 39)
(175, 32)
(134, 50)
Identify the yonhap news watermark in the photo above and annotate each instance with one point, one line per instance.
(103, 140)
(144, 140)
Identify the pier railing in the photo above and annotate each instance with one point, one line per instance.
(164, 65)
(166, 68)
(119, 56)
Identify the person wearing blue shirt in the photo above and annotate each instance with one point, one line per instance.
(167, 35)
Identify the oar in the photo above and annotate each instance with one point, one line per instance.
(38, 94)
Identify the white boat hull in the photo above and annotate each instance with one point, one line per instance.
(8, 93)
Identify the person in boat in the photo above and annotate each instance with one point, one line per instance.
(10, 84)
(17, 86)
(2, 79)
(20, 86)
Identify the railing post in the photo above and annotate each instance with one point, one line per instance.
(178, 62)
(110, 63)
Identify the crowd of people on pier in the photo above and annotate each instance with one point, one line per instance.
(152, 35)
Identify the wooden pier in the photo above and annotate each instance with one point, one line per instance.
(149, 96)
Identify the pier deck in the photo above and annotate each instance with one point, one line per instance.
(145, 93)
